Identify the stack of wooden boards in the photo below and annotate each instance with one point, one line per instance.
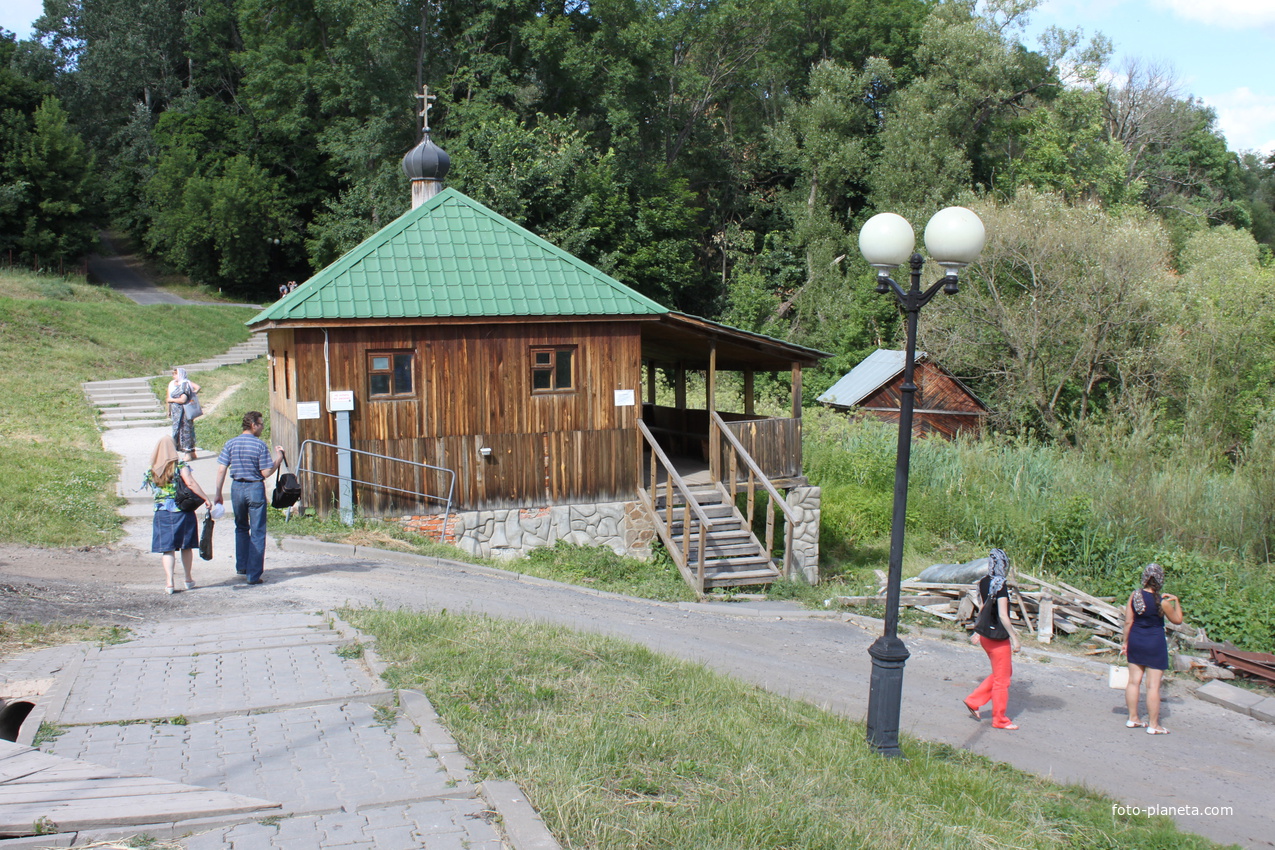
(1036, 607)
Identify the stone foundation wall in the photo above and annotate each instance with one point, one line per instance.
(513, 532)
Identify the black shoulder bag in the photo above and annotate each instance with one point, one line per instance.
(185, 498)
(287, 489)
(988, 623)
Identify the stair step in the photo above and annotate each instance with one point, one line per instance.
(716, 523)
(739, 562)
(709, 510)
(737, 578)
(138, 423)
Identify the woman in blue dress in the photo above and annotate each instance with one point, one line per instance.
(180, 389)
(172, 529)
(1145, 645)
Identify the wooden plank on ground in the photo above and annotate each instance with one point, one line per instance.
(78, 795)
(1045, 619)
(913, 601)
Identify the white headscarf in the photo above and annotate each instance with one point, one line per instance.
(176, 383)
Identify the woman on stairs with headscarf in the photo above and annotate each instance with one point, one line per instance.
(180, 390)
(995, 633)
(1145, 645)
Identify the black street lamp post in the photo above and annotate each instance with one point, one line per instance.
(954, 237)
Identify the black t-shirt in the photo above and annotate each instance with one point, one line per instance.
(993, 619)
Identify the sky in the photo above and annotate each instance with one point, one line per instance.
(1218, 49)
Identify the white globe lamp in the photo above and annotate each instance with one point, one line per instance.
(954, 238)
(886, 242)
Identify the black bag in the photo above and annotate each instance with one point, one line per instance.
(205, 537)
(287, 488)
(988, 623)
(186, 499)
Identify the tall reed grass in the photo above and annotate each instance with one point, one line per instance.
(1097, 517)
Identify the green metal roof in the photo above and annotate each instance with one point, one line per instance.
(452, 257)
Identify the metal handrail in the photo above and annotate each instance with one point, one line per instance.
(451, 487)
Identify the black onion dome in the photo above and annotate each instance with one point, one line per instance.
(426, 161)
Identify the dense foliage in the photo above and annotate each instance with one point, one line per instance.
(719, 156)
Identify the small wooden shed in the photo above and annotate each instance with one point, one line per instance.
(456, 353)
(942, 405)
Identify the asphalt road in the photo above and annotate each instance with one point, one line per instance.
(1072, 724)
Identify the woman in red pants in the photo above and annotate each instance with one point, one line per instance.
(995, 633)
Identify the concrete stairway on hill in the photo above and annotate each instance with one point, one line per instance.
(131, 403)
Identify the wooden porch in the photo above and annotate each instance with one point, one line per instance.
(728, 523)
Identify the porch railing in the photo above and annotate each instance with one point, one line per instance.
(727, 471)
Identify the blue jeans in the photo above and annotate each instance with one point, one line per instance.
(248, 501)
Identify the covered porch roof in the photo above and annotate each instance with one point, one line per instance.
(689, 341)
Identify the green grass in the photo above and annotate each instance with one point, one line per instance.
(56, 333)
(620, 747)
(16, 637)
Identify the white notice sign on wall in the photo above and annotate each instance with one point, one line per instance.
(307, 410)
(624, 398)
(341, 400)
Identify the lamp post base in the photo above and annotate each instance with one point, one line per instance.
(885, 694)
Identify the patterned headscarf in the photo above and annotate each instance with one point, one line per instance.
(177, 382)
(1152, 577)
(997, 569)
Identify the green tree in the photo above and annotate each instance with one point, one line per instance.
(1219, 318)
(1063, 147)
(220, 222)
(47, 185)
(1056, 322)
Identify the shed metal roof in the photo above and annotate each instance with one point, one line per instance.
(877, 369)
(452, 257)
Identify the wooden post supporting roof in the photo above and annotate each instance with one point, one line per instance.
(796, 390)
(710, 403)
(749, 399)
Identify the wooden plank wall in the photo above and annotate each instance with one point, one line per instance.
(473, 390)
(936, 395)
(934, 391)
(282, 416)
(774, 443)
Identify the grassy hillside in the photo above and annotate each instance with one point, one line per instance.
(56, 482)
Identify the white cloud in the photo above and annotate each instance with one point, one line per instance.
(1246, 118)
(1235, 14)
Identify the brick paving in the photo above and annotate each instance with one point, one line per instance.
(267, 706)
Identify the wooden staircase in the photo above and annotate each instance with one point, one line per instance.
(732, 553)
(708, 537)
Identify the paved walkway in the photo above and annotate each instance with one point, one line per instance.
(263, 730)
(279, 714)
(269, 706)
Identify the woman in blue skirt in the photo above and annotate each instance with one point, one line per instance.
(1145, 645)
(172, 529)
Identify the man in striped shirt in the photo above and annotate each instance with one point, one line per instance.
(248, 461)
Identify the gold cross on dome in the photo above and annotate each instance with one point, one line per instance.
(425, 97)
